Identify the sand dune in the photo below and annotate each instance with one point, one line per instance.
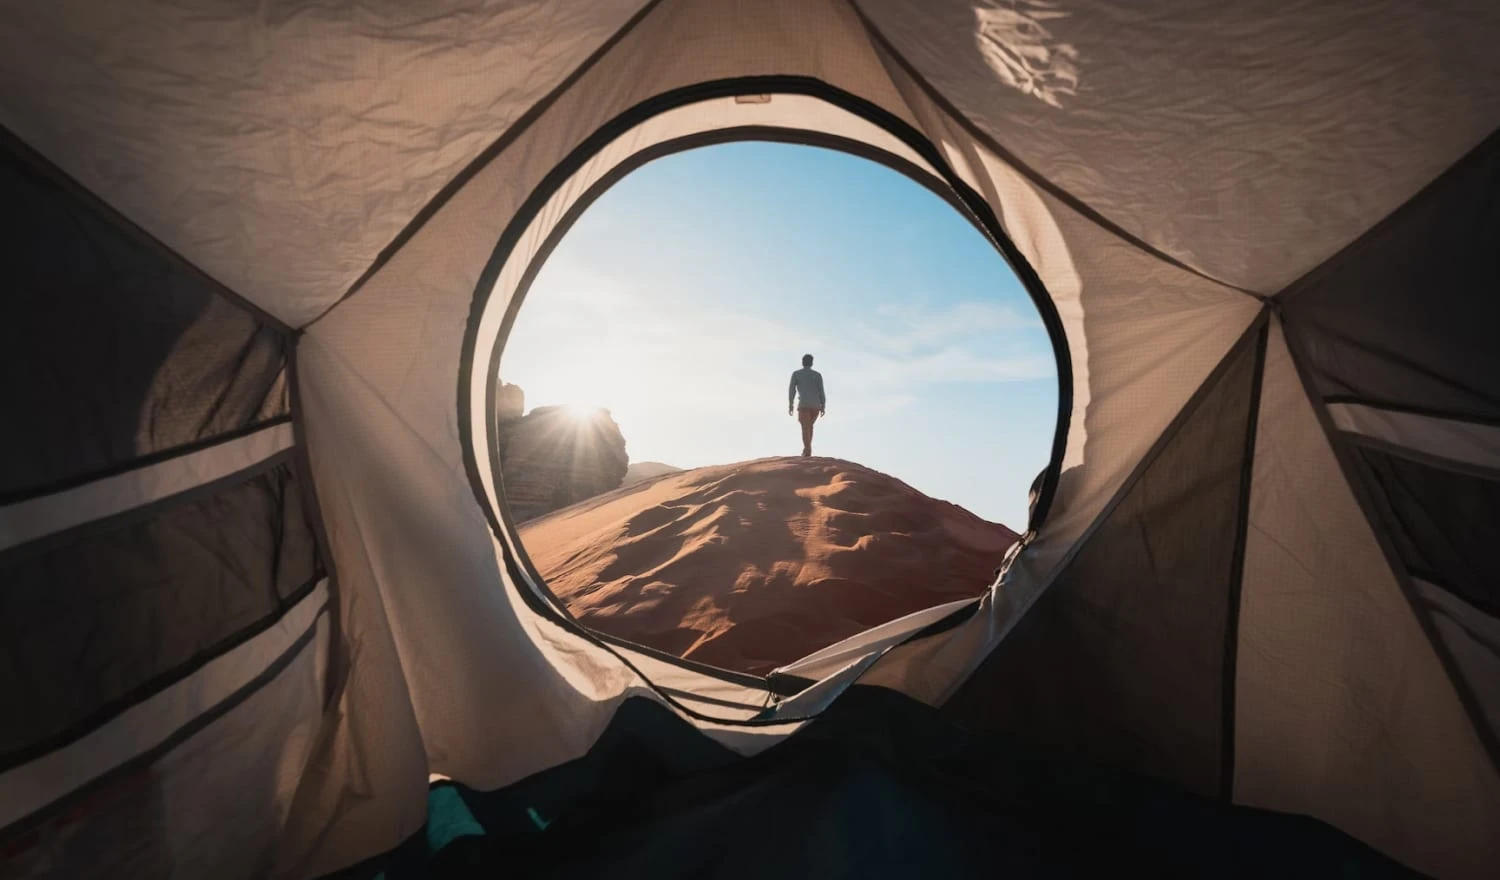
(640, 471)
(751, 566)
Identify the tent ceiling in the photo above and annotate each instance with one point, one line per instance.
(280, 146)
(1249, 140)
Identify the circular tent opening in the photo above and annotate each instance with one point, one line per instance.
(717, 114)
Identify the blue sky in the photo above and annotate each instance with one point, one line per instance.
(683, 299)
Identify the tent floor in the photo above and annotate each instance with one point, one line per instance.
(880, 785)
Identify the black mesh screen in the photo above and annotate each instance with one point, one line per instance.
(96, 620)
(1407, 316)
(115, 350)
(1445, 524)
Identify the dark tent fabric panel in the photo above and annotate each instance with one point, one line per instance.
(880, 785)
(1445, 524)
(117, 352)
(95, 620)
(1406, 316)
(1127, 658)
(1472, 639)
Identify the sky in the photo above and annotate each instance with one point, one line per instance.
(683, 299)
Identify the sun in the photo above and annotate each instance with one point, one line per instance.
(579, 412)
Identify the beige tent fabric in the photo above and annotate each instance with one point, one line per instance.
(282, 149)
(1249, 140)
(1142, 334)
(1461, 442)
(1343, 708)
(437, 636)
(215, 803)
(280, 146)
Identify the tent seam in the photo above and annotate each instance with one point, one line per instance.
(513, 131)
(1168, 432)
(1355, 478)
(53, 540)
(1036, 178)
(1229, 668)
(337, 662)
(1337, 259)
(33, 158)
(144, 461)
(178, 737)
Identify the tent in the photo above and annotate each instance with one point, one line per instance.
(259, 584)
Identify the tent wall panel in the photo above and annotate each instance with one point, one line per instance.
(1142, 337)
(1445, 525)
(1451, 443)
(1344, 709)
(122, 354)
(1404, 318)
(381, 375)
(1147, 114)
(102, 617)
(281, 148)
(350, 170)
(209, 801)
(25, 521)
(33, 792)
(1142, 334)
(1124, 658)
(1472, 638)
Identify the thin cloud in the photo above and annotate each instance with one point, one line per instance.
(730, 362)
(909, 328)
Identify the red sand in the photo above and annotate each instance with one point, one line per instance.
(752, 566)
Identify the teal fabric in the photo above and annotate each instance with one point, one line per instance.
(448, 818)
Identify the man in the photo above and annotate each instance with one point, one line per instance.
(806, 392)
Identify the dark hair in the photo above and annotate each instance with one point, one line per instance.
(807, 360)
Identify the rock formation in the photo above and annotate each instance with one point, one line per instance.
(555, 456)
(510, 403)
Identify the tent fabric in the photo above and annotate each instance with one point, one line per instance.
(209, 800)
(1460, 444)
(1395, 320)
(1438, 520)
(1143, 679)
(87, 297)
(55, 783)
(1201, 131)
(266, 259)
(1472, 639)
(26, 521)
(1343, 708)
(650, 800)
(281, 149)
(165, 591)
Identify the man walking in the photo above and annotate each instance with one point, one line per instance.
(806, 392)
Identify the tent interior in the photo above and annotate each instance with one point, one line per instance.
(264, 609)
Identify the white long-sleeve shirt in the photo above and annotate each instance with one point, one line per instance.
(807, 385)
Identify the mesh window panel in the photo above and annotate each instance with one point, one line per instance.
(1124, 659)
(1445, 525)
(1407, 316)
(94, 621)
(115, 351)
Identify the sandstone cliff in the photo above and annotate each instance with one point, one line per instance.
(556, 456)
